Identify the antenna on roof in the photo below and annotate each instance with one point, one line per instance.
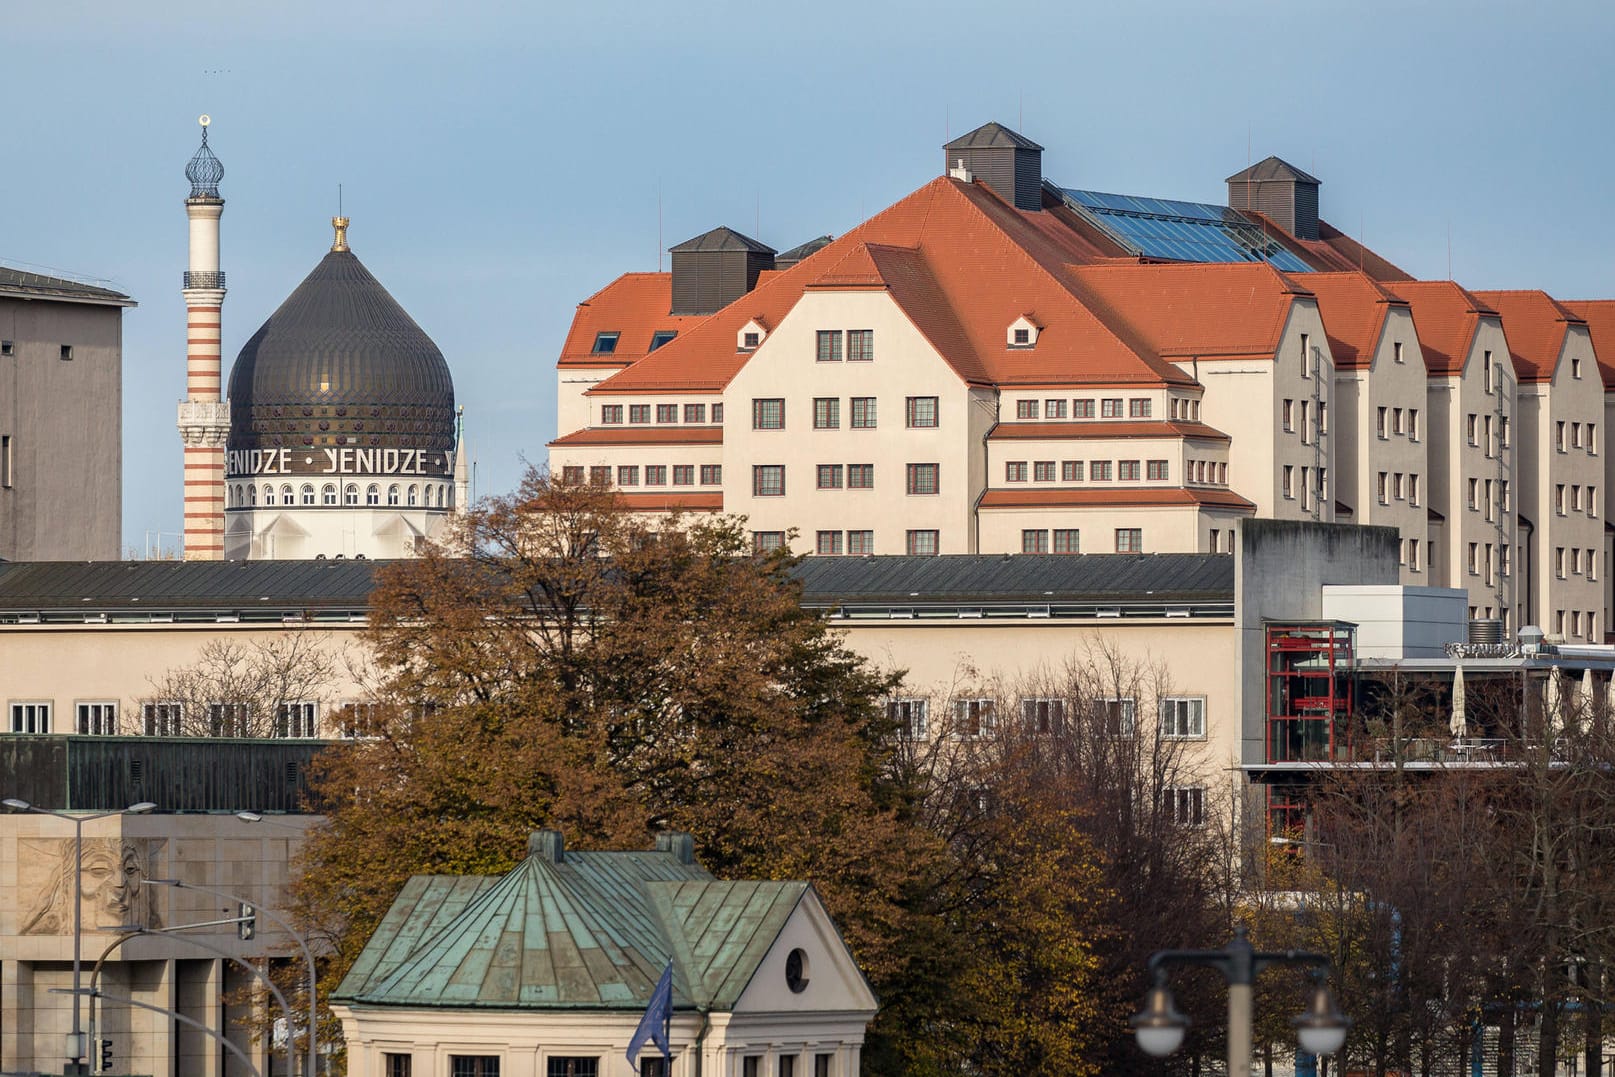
(1449, 248)
(757, 226)
(658, 224)
(1020, 113)
(947, 123)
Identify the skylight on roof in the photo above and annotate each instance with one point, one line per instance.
(662, 336)
(1182, 231)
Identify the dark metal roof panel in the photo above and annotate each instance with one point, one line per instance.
(992, 135)
(1014, 577)
(47, 585)
(1269, 169)
(21, 284)
(722, 239)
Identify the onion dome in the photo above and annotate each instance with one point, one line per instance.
(341, 364)
(204, 170)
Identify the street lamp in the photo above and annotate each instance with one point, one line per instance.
(75, 1039)
(1159, 1027)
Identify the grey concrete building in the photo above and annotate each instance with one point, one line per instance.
(61, 418)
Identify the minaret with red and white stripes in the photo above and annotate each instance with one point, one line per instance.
(204, 415)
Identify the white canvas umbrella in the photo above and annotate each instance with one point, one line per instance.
(1460, 720)
(1585, 699)
(1554, 702)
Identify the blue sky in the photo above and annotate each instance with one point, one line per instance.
(502, 160)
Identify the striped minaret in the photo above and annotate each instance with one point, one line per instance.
(204, 415)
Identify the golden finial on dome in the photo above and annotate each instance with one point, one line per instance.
(340, 243)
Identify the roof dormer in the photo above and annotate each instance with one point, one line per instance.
(751, 336)
(1022, 332)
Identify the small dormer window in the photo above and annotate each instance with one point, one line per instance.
(751, 336)
(1022, 333)
(751, 340)
(605, 343)
(662, 336)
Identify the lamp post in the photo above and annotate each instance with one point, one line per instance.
(75, 1042)
(1159, 1027)
(302, 944)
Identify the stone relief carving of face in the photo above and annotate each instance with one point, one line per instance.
(113, 875)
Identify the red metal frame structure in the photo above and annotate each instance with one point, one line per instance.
(1310, 691)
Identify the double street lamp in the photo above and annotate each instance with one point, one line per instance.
(1159, 1028)
(75, 1039)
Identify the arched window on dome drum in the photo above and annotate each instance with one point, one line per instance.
(414, 496)
(392, 494)
(434, 497)
(372, 494)
(234, 496)
(350, 494)
(328, 494)
(286, 496)
(252, 495)
(308, 494)
(269, 494)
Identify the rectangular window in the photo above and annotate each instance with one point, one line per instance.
(1026, 409)
(1127, 471)
(1559, 436)
(1396, 352)
(1575, 435)
(829, 346)
(610, 414)
(1035, 541)
(764, 541)
(1043, 471)
(860, 345)
(821, 1065)
(1115, 717)
(751, 1066)
(1474, 493)
(974, 717)
(1183, 717)
(667, 413)
(827, 542)
(297, 720)
(1413, 489)
(1043, 716)
(1592, 439)
(628, 475)
(921, 543)
(1111, 407)
(1559, 562)
(98, 719)
(397, 1065)
(1054, 409)
(1015, 471)
(1396, 485)
(161, 719)
(660, 337)
(826, 413)
(1413, 424)
(1471, 428)
(586, 1066)
(1186, 804)
(861, 543)
(786, 1066)
(229, 719)
(572, 475)
(863, 413)
(5, 461)
(1157, 471)
(1287, 414)
(1396, 420)
(908, 716)
(695, 413)
(30, 716)
(922, 412)
(860, 476)
(768, 480)
(639, 413)
(923, 478)
(683, 474)
(1306, 422)
(711, 474)
(768, 414)
(717, 413)
(1082, 409)
(1287, 482)
(1071, 471)
(1138, 407)
(655, 474)
(1558, 497)
(1099, 470)
(1067, 540)
(605, 343)
(1129, 540)
(1474, 559)
(829, 476)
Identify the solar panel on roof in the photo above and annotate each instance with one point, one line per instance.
(1183, 231)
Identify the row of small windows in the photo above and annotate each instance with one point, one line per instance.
(768, 480)
(920, 542)
(414, 495)
(652, 474)
(1397, 486)
(785, 1065)
(8, 349)
(1569, 625)
(1096, 470)
(1478, 432)
(1569, 561)
(1179, 717)
(1138, 407)
(606, 343)
(99, 718)
(1308, 490)
(666, 414)
(860, 345)
(1569, 436)
(1290, 413)
(1400, 421)
(1567, 499)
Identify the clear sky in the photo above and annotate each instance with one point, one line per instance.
(503, 160)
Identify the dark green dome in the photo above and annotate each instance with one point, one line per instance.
(341, 364)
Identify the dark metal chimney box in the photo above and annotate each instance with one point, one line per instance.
(716, 268)
(1280, 192)
(1009, 163)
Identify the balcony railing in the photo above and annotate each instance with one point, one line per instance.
(207, 278)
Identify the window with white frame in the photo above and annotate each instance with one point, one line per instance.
(30, 716)
(1043, 715)
(162, 719)
(1186, 804)
(229, 719)
(974, 717)
(96, 718)
(908, 716)
(298, 719)
(1116, 717)
(1183, 717)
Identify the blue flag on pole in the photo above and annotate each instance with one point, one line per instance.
(653, 1026)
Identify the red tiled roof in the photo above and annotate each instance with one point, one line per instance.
(1083, 431)
(963, 264)
(634, 305)
(1600, 317)
(643, 435)
(1190, 309)
(1446, 317)
(1128, 495)
(672, 500)
(1354, 309)
(1535, 324)
(1332, 251)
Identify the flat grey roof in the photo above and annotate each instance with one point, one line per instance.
(20, 284)
(211, 585)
